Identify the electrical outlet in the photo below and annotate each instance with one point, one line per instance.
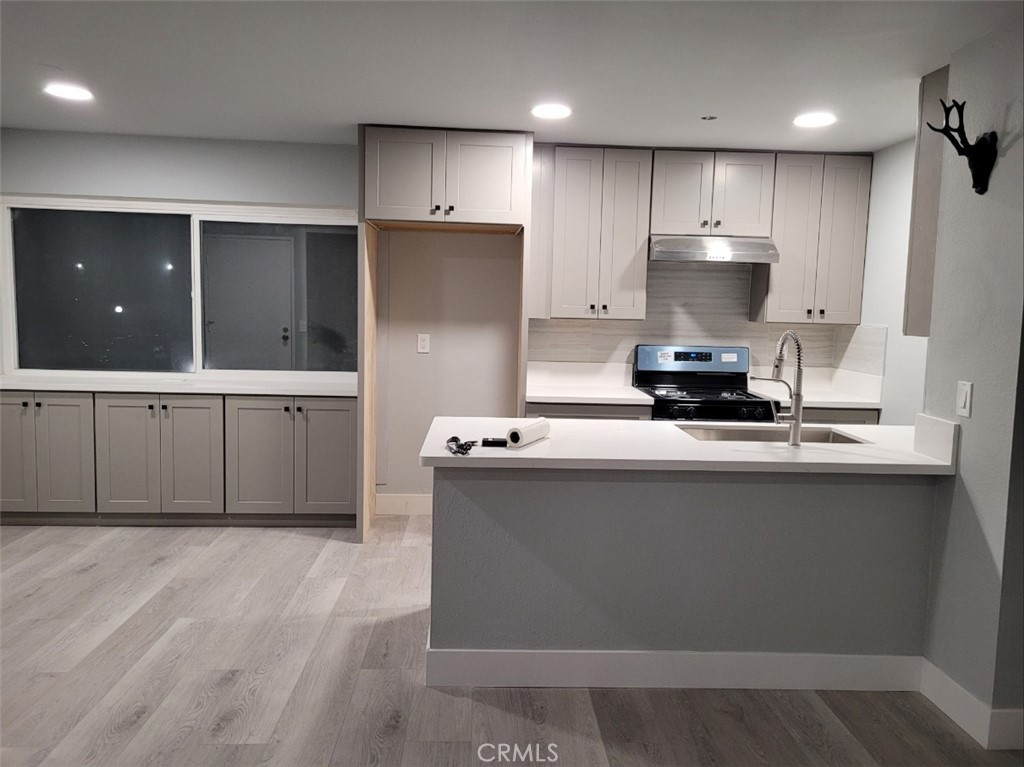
(423, 343)
(964, 398)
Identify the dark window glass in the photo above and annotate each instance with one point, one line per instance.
(279, 297)
(103, 291)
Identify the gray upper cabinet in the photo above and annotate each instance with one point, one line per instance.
(795, 227)
(681, 192)
(820, 228)
(191, 453)
(712, 193)
(600, 233)
(65, 466)
(404, 174)
(414, 174)
(127, 453)
(842, 243)
(17, 451)
(259, 455)
(325, 456)
(576, 250)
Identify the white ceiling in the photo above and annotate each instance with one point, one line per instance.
(634, 73)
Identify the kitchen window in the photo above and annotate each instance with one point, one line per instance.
(153, 294)
(278, 297)
(103, 291)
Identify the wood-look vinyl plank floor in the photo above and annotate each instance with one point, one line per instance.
(278, 647)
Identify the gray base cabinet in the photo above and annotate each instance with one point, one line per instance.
(325, 456)
(159, 453)
(290, 455)
(127, 453)
(615, 412)
(259, 455)
(17, 451)
(191, 454)
(46, 457)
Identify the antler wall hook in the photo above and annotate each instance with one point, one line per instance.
(981, 155)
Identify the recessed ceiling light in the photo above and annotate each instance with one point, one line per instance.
(68, 91)
(814, 120)
(551, 111)
(118, 309)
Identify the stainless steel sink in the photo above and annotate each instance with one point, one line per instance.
(767, 434)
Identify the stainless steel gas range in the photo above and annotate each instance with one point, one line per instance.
(699, 383)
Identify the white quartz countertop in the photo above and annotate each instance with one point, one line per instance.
(568, 383)
(663, 446)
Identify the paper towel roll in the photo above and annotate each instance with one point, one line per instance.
(528, 433)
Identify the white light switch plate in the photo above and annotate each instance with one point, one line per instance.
(964, 398)
(423, 343)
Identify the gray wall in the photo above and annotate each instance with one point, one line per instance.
(462, 289)
(1009, 689)
(686, 304)
(86, 165)
(885, 277)
(618, 560)
(975, 336)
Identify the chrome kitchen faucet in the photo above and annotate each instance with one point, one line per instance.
(795, 416)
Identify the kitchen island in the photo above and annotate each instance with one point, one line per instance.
(630, 553)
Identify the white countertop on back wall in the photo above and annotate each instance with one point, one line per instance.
(609, 383)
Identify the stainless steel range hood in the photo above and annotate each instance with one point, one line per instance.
(732, 250)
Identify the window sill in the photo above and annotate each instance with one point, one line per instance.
(210, 382)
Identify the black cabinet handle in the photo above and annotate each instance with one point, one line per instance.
(163, 407)
(821, 312)
(24, 404)
(149, 407)
(593, 307)
(39, 404)
(718, 223)
(810, 312)
(604, 308)
(287, 409)
(704, 223)
(451, 208)
(435, 209)
(298, 409)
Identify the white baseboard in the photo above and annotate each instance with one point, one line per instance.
(1006, 729)
(992, 728)
(404, 504)
(657, 668)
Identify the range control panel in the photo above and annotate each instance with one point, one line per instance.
(694, 359)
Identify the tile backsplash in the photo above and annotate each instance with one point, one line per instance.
(696, 304)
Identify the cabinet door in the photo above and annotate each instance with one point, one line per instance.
(795, 233)
(576, 251)
(17, 452)
(485, 178)
(65, 465)
(681, 194)
(843, 239)
(742, 204)
(192, 453)
(127, 453)
(325, 456)
(259, 457)
(625, 229)
(404, 174)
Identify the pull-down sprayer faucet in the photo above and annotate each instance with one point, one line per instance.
(795, 416)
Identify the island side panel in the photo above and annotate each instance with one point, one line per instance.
(699, 561)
